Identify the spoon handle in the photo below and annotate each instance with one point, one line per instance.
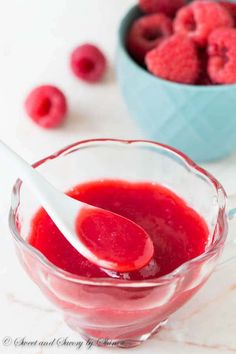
(41, 188)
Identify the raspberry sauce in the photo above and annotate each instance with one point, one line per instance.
(110, 237)
(178, 232)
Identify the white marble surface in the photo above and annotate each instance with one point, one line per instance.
(35, 39)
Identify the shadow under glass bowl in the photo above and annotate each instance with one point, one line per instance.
(198, 120)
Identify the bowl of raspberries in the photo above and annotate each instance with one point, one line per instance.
(176, 67)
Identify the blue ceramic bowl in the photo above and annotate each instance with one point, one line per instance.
(198, 120)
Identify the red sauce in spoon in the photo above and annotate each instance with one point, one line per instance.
(123, 245)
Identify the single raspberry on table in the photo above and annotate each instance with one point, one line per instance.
(147, 33)
(200, 18)
(168, 7)
(231, 7)
(46, 105)
(88, 63)
(222, 56)
(176, 59)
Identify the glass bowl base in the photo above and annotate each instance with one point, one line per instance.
(129, 339)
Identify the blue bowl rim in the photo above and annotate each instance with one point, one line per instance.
(135, 9)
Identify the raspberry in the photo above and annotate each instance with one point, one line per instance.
(200, 18)
(88, 63)
(231, 7)
(47, 106)
(176, 59)
(222, 56)
(168, 7)
(147, 33)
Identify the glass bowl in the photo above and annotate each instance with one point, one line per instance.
(111, 311)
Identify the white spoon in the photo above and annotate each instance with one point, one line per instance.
(106, 239)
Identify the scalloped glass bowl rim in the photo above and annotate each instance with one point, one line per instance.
(185, 267)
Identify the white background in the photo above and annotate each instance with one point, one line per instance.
(36, 38)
